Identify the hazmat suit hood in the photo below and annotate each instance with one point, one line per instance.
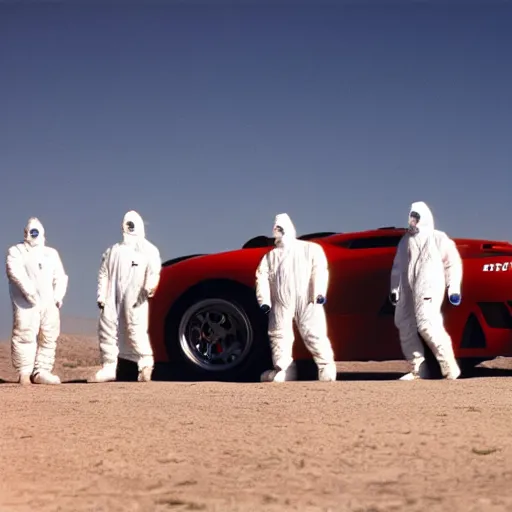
(133, 227)
(425, 224)
(283, 230)
(34, 232)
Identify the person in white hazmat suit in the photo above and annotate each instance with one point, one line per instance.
(427, 265)
(37, 287)
(129, 275)
(291, 284)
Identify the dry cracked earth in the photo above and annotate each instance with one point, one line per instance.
(366, 443)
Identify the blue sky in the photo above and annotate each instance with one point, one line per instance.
(209, 120)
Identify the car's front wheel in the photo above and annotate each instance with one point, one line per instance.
(218, 334)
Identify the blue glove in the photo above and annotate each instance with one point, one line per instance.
(320, 299)
(265, 308)
(454, 299)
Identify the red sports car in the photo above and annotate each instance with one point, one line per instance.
(206, 325)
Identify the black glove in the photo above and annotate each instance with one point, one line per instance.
(100, 305)
(143, 296)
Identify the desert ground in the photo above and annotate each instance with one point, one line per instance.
(366, 443)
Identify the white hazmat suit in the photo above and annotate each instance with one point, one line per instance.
(129, 275)
(37, 286)
(427, 265)
(291, 284)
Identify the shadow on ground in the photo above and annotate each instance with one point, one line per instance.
(168, 376)
(307, 371)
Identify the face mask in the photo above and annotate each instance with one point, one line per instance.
(130, 226)
(414, 219)
(278, 233)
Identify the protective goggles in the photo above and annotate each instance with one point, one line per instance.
(130, 226)
(34, 233)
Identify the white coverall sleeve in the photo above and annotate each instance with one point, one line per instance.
(263, 283)
(319, 271)
(452, 265)
(60, 279)
(153, 272)
(103, 277)
(17, 274)
(396, 269)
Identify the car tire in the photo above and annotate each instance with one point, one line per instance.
(126, 371)
(227, 307)
(468, 366)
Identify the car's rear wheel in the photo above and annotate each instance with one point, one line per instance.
(218, 334)
(468, 366)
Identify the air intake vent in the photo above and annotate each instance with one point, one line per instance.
(375, 242)
(265, 241)
(496, 315)
(473, 335)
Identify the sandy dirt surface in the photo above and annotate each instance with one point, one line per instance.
(366, 443)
